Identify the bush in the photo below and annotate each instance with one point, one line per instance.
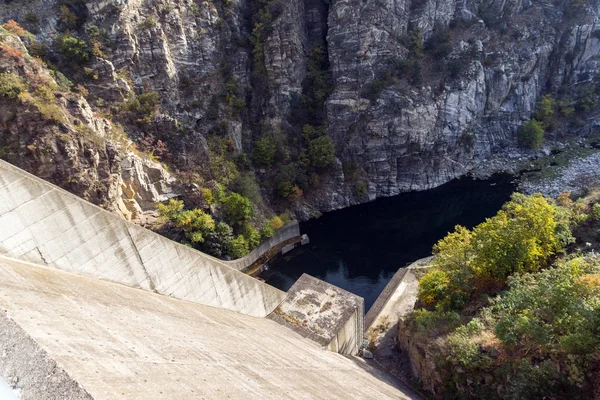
(361, 189)
(276, 223)
(433, 287)
(521, 238)
(252, 236)
(196, 224)
(218, 242)
(245, 184)
(531, 134)
(68, 17)
(545, 110)
(14, 28)
(73, 48)
(267, 231)
(588, 101)
(11, 85)
(321, 152)
(237, 209)
(207, 196)
(264, 152)
(143, 106)
(239, 247)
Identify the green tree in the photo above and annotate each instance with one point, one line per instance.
(237, 209)
(545, 110)
(267, 231)
(169, 211)
(588, 101)
(73, 48)
(531, 134)
(218, 242)
(321, 152)
(264, 152)
(520, 238)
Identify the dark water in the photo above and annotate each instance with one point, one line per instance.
(360, 248)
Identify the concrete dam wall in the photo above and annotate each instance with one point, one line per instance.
(95, 307)
(46, 225)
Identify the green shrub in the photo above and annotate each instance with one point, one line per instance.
(207, 196)
(196, 224)
(239, 247)
(596, 211)
(545, 110)
(73, 48)
(434, 287)
(361, 189)
(276, 223)
(143, 106)
(218, 242)
(148, 23)
(237, 209)
(531, 134)
(11, 85)
(264, 152)
(267, 231)
(252, 235)
(588, 100)
(321, 152)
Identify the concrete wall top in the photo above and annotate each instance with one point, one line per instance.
(110, 341)
(44, 224)
(289, 231)
(319, 311)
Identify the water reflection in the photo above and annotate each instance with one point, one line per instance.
(360, 248)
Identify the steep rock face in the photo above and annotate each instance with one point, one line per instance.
(402, 118)
(56, 135)
(417, 138)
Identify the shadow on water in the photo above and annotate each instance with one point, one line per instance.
(360, 248)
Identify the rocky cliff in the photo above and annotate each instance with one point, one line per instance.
(413, 93)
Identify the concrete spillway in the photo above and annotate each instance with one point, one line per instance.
(93, 307)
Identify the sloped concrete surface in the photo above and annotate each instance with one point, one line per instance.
(46, 225)
(119, 342)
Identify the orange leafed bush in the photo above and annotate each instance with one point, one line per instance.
(10, 51)
(13, 27)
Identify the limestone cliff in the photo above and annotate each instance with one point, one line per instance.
(413, 92)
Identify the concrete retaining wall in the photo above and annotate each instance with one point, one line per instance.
(290, 231)
(44, 224)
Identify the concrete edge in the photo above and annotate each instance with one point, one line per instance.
(287, 232)
(27, 367)
(387, 293)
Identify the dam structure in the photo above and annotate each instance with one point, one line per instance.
(95, 307)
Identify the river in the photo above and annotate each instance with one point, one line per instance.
(360, 248)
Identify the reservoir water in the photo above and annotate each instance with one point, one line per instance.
(360, 248)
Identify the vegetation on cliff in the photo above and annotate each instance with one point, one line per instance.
(511, 309)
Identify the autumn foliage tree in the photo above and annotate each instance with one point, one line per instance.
(522, 237)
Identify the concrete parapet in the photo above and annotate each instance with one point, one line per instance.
(323, 313)
(289, 231)
(44, 224)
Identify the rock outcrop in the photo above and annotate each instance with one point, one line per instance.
(421, 91)
(54, 134)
